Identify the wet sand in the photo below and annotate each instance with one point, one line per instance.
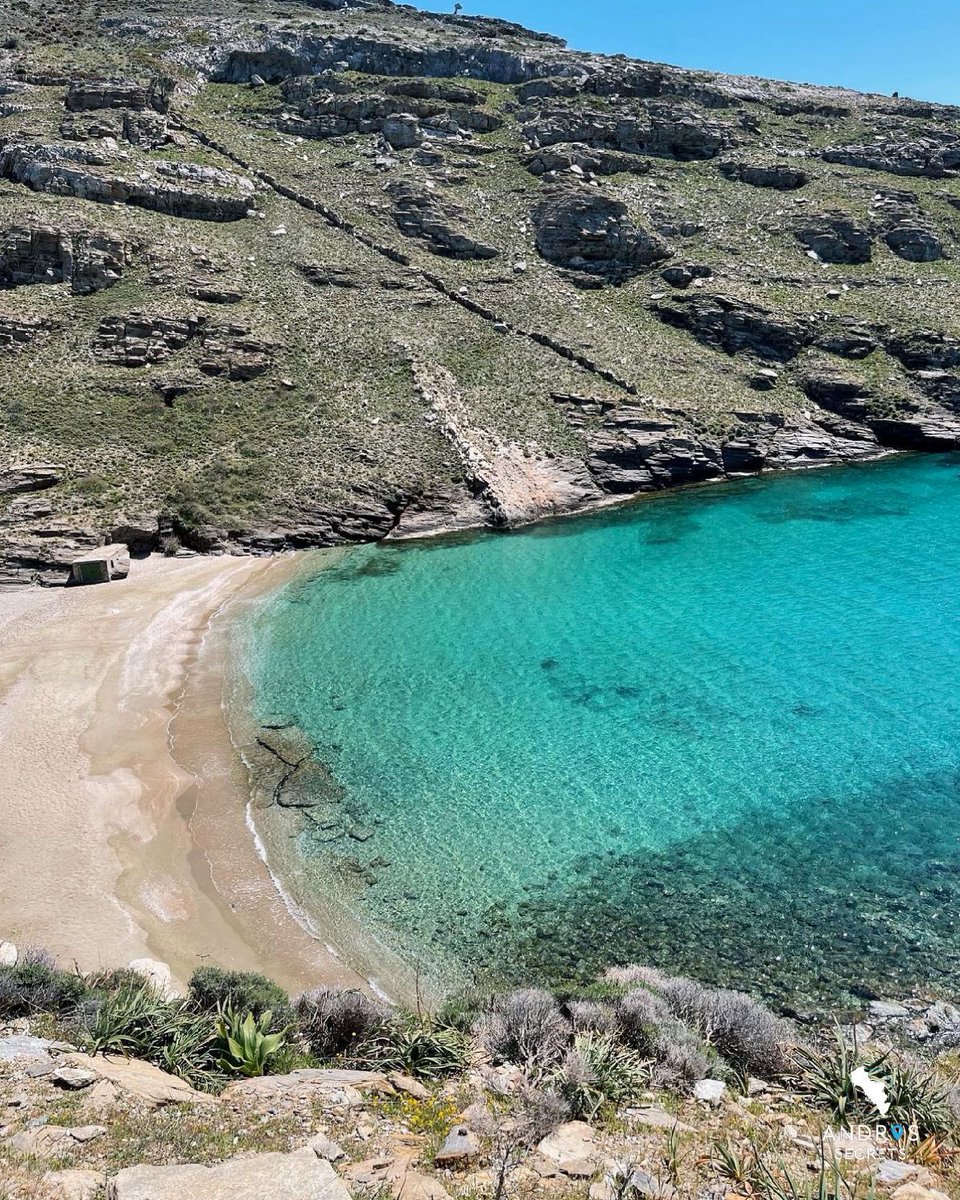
(123, 830)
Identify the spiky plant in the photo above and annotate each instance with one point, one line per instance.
(245, 1043)
(598, 1070)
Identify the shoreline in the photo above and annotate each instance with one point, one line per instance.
(121, 834)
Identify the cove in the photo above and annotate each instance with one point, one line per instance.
(717, 731)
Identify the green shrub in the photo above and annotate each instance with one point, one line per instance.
(417, 1046)
(136, 1021)
(213, 989)
(36, 985)
(245, 1043)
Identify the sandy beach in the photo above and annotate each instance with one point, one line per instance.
(111, 849)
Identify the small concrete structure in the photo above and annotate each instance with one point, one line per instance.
(101, 565)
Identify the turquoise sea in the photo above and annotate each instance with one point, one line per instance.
(716, 730)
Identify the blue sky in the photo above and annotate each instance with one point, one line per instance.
(871, 45)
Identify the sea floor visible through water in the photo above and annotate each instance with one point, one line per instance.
(716, 731)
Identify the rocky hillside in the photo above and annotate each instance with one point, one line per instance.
(295, 273)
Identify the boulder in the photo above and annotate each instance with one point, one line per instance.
(892, 1171)
(411, 1185)
(157, 974)
(72, 1079)
(138, 1079)
(916, 1191)
(73, 1185)
(658, 1118)
(335, 1086)
(323, 1147)
(459, 1146)
(54, 1141)
(710, 1091)
(402, 131)
(23, 1047)
(573, 1148)
(8, 951)
(683, 274)
(943, 1017)
(879, 1011)
(300, 1175)
(412, 1087)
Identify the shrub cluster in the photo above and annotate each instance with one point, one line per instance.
(35, 985)
(231, 1023)
(579, 1052)
(680, 1030)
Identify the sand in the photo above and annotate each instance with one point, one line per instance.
(122, 806)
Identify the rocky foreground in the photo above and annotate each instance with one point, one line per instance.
(339, 269)
(643, 1086)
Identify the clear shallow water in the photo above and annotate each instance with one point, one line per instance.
(718, 731)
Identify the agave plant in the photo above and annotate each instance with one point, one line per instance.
(245, 1042)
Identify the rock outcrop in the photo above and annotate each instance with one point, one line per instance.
(581, 160)
(84, 95)
(936, 155)
(177, 189)
(88, 261)
(907, 230)
(585, 231)
(735, 326)
(425, 216)
(15, 333)
(835, 238)
(137, 339)
(781, 176)
(665, 131)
